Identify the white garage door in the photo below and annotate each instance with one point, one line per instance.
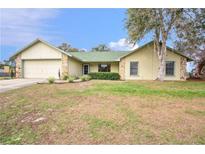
(41, 68)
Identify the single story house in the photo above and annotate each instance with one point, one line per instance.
(40, 59)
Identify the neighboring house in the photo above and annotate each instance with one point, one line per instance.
(42, 60)
(4, 70)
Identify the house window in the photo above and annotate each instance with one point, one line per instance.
(85, 69)
(104, 68)
(134, 68)
(169, 70)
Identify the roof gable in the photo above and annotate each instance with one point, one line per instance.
(151, 43)
(35, 42)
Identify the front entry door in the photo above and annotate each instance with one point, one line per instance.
(85, 69)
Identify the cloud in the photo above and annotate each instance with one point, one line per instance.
(122, 44)
(20, 26)
(190, 66)
(84, 49)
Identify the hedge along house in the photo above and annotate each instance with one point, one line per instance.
(40, 59)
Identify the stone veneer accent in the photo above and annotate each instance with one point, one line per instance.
(183, 62)
(122, 69)
(64, 67)
(18, 66)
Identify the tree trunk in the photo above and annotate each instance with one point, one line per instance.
(162, 57)
(160, 49)
(161, 71)
(198, 72)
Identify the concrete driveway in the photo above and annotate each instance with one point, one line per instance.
(6, 85)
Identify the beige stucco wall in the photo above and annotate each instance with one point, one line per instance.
(114, 66)
(75, 67)
(148, 64)
(41, 51)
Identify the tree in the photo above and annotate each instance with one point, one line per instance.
(191, 38)
(160, 23)
(73, 50)
(7, 62)
(200, 67)
(68, 48)
(65, 47)
(101, 47)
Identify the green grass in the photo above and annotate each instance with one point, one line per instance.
(97, 124)
(159, 89)
(185, 90)
(11, 131)
(99, 127)
(19, 136)
(132, 118)
(169, 136)
(134, 124)
(55, 105)
(195, 112)
(200, 140)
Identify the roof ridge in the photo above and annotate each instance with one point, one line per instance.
(97, 51)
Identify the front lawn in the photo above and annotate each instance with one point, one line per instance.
(104, 112)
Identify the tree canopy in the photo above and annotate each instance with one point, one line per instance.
(101, 47)
(68, 48)
(191, 38)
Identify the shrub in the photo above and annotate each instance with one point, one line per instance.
(65, 77)
(85, 77)
(75, 77)
(105, 75)
(5, 78)
(71, 79)
(51, 80)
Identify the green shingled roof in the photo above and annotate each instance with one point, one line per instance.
(99, 56)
